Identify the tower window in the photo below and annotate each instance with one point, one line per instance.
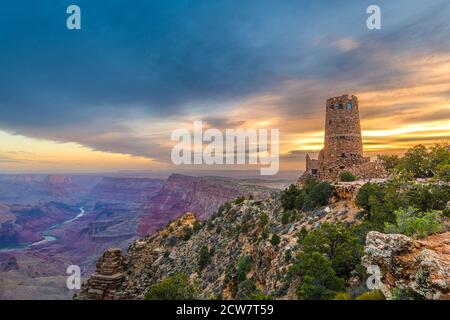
(349, 105)
(341, 106)
(342, 155)
(329, 121)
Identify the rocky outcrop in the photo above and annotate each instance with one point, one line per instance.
(347, 191)
(231, 234)
(106, 282)
(421, 267)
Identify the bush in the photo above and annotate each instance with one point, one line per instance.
(426, 197)
(390, 162)
(187, 233)
(342, 296)
(204, 257)
(239, 200)
(311, 196)
(265, 233)
(423, 162)
(367, 194)
(415, 224)
(318, 196)
(287, 255)
(443, 172)
(246, 288)
(263, 219)
(347, 177)
(286, 217)
(339, 244)
(275, 240)
(446, 213)
(371, 295)
(175, 287)
(197, 226)
(243, 267)
(416, 162)
(318, 279)
(288, 197)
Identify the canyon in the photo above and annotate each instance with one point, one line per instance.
(50, 222)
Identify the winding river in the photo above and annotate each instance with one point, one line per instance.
(46, 234)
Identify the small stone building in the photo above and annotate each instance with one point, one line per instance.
(343, 147)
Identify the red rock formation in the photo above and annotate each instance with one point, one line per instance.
(127, 189)
(201, 195)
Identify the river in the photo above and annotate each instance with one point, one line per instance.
(46, 236)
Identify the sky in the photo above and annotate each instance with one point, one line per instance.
(108, 96)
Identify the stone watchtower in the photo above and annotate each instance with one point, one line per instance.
(343, 147)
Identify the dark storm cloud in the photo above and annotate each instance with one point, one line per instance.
(164, 59)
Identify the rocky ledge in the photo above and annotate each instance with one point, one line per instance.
(421, 267)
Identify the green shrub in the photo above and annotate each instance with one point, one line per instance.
(275, 240)
(246, 288)
(342, 296)
(443, 172)
(378, 203)
(318, 196)
(265, 234)
(367, 194)
(446, 213)
(423, 162)
(347, 176)
(243, 267)
(286, 217)
(239, 200)
(197, 226)
(175, 287)
(414, 223)
(204, 257)
(187, 233)
(338, 243)
(426, 197)
(302, 235)
(288, 197)
(406, 294)
(288, 255)
(371, 295)
(263, 219)
(311, 196)
(390, 162)
(318, 279)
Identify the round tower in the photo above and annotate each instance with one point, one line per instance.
(343, 146)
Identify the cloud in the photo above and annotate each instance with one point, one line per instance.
(131, 76)
(346, 44)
